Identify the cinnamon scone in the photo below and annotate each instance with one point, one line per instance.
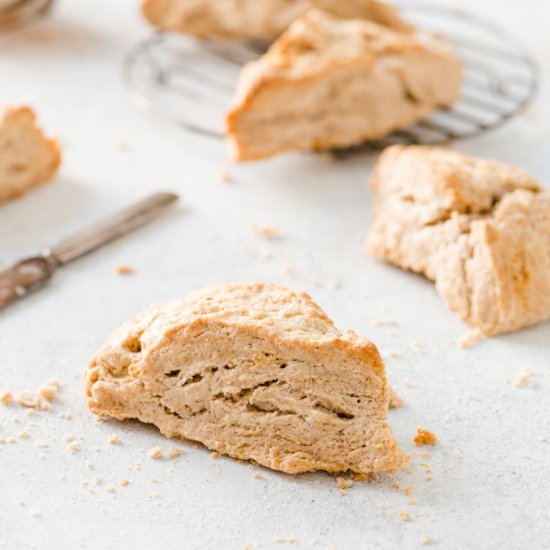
(254, 371)
(27, 157)
(258, 20)
(329, 83)
(479, 229)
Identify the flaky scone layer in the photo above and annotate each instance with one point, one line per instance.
(27, 157)
(479, 229)
(332, 83)
(254, 371)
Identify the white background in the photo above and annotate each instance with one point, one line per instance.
(491, 471)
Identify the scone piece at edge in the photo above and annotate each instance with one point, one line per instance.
(27, 157)
(261, 21)
(479, 229)
(256, 372)
(329, 83)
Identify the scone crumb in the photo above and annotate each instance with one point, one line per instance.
(223, 175)
(343, 484)
(23, 435)
(425, 454)
(257, 475)
(412, 501)
(408, 490)
(5, 397)
(49, 390)
(363, 477)
(68, 438)
(110, 488)
(114, 439)
(174, 452)
(2, 440)
(32, 412)
(404, 516)
(215, 455)
(395, 401)
(523, 380)
(471, 338)
(73, 446)
(21, 502)
(383, 322)
(12, 440)
(266, 231)
(424, 437)
(426, 539)
(155, 453)
(124, 269)
(124, 482)
(65, 415)
(97, 480)
(34, 512)
(28, 399)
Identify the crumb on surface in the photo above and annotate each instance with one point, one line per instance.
(123, 269)
(426, 539)
(215, 455)
(471, 338)
(23, 435)
(258, 475)
(395, 401)
(28, 399)
(68, 438)
(155, 453)
(223, 175)
(49, 390)
(407, 490)
(124, 482)
(34, 512)
(412, 501)
(404, 516)
(523, 380)
(174, 452)
(343, 484)
(114, 439)
(424, 437)
(65, 415)
(6, 397)
(2, 440)
(266, 231)
(110, 488)
(73, 446)
(383, 322)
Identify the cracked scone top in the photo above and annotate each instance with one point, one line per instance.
(328, 82)
(479, 229)
(261, 20)
(255, 371)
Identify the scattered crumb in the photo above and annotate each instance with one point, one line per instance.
(223, 175)
(404, 516)
(155, 495)
(45, 406)
(65, 415)
(471, 338)
(408, 490)
(174, 452)
(21, 502)
(114, 439)
(395, 401)
(393, 353)
(425, 454)
(69, 437)
(383, 322)
(110, 488)
(412, 501)
(5, 397)
(343, 484)
(289, 270)
(124, 482)
(12, 440)
(73, 446)
(155, 453)
(23, 435)
(32, 412)
(28, 399)
(523, 380)
(396, 485)
(97, 480)
(257, 475)
(362, 477)
(266, 231)
(123, 269)
(426, 539)
(2, 440)
(34, 512)
(215, 455)
(153, 480)
(49, 390)
(290, 540)
(424, 437)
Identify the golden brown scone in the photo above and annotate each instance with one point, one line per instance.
(27, 157)
(261, 20)
(479, 229)
(333, 83)
(255, 371)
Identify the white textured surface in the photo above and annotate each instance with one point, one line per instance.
(491, 471)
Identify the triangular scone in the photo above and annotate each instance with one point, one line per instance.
(261, 20)
(333, 83)
(479, 229)
(27, 157)
(255, 371)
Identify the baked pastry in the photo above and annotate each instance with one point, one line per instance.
(332, 83)
(255, 371)
(479, 229)
(259, 20)
(27, 157)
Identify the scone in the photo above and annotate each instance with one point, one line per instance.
(479, 229)
(329, 83)
(259, 20)
(255, 371)
(27, 157)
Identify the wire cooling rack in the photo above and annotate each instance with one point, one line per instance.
(191, 82)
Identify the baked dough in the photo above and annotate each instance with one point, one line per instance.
(259, 20)
(253, 371)
(333, 83)
(479, 229)
(27, 157)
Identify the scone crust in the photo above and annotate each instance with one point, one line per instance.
(121, 379)
(479, 229)
(27, 159)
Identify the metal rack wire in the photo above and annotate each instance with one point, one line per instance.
(191, 82)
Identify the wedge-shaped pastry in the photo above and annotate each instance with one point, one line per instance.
(27, 157)
(479, 229)
(253, 371)
(261, 20)
(333, 83)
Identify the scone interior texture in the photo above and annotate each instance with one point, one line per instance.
(329, 83)
(27, 157)
(258, 20)
(253, 371)
(479, 229)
